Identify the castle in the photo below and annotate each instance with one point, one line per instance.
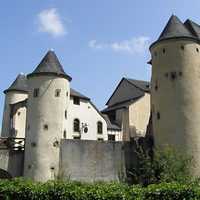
(42, 108)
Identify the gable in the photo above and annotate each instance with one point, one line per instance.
(125, 91)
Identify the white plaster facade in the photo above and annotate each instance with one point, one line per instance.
(88, 116)
(15, 127)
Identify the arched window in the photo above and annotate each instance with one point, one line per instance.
(76, 125)
(99, 127)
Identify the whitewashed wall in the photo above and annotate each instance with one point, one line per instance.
(86, 114)
(11, 98)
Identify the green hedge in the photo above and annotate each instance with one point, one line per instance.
(27, 190)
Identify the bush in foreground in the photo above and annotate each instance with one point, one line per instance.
(20, 189)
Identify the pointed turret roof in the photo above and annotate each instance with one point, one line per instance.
(20, 84)
(176, 29)
(193, 27)
(50, 65)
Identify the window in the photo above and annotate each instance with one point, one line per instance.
(64, 134)
(65, 114)
(100, 139)
(163, 51)
(77, 137)
(57, 92)
(36, 92)
(156, 85)
(46, 127)
(33, 144)
(173, 75)
(76, 100)
(182, 47)
(76, 125)
(158, 115)
(18, 113)
(111, 137)
(197, 50)
(99, 127)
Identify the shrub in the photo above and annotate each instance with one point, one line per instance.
(20, 189)
(167, 165)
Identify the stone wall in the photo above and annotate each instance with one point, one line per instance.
(95, 161)
(12, 162)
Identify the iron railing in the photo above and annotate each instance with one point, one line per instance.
(12, 143)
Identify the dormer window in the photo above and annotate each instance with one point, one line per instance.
(76, 100)
(36, 92)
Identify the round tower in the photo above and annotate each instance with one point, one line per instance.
(46, 122)
(17, 92)
(175, 99)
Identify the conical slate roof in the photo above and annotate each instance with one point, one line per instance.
(20, 84)
(50, 65)
(176, 29)
(193, 27)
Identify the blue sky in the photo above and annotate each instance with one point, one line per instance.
(97, 41)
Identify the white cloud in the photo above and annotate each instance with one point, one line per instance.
(49, 21)
(135, 45)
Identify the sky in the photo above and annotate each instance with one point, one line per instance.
(97, 41)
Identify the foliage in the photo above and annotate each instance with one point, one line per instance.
(19, 189)
(167, 165)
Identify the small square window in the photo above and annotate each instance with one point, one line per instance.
(76, 100)
(33, 144)
(46, 127)
(111, 137)
(77, 137)
(100, 139)
(19, 113)
(36, 92)
(57, 92)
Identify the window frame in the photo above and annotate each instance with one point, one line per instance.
(36, 92)
(113, 137)
(76, 127)
(57, 92)
(99, 127)
(76, 100)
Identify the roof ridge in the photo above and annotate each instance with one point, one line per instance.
(139, 87)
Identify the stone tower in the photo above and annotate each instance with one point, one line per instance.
(14, 125)
(47, 106)
(175, 99)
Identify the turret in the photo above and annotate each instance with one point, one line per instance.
(175, 100)
(14, 123)
(46, 118)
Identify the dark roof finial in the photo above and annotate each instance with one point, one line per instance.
(50, 65)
